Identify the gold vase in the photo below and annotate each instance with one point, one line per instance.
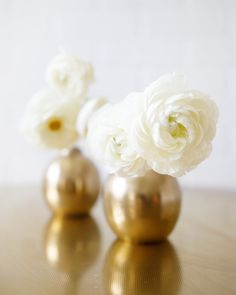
(71, 184)
(142, 269)
(143, 209)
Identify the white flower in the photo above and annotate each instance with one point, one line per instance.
(109, 141)
(87, 111)
(50, 120)
(68, 74)
(176, 127)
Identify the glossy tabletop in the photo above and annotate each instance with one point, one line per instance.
(41, 255)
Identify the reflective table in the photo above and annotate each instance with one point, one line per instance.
(41, 254)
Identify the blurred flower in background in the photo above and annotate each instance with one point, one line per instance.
(51, 115)
(50, 120)
(70, 75)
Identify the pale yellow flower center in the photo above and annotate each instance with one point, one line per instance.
(177, 129)
(55, 124)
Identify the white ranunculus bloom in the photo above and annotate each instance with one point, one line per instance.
(68, 74)
(176, 127)
(50, 120)
(87, 111)
(109, 141)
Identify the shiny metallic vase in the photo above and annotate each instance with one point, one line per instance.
(143, 209)
(71, 184)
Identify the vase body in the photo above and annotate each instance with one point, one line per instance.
(143, 209)
(71, 184)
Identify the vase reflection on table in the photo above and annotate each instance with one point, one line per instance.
(142, 269)
(72, 246)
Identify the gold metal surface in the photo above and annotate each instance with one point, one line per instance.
(142, 209)
(135, 269)
(84, 260)
(71, 184)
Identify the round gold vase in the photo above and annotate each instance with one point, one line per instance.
(143, 209)
(71, 184)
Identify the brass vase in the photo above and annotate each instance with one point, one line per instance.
(143, 209)
(71, 184)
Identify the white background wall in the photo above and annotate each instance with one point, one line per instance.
(130, 43)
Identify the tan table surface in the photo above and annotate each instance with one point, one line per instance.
(40, 255)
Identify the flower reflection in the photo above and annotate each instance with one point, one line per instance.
(142, 269)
